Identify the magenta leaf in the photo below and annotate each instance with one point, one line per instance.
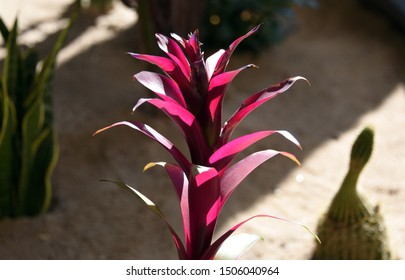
(172, 49)
(226, 153)
(224, 79)
(152, 207)
(161, 85)
(216, 94)
(174, 71)
(224, 59)
(212, 61)
(253, 102)
(166, 64)
(235, 174)
(191, 46)
(218, 87)
(187, 124)
(153, 134)
(181, 185)
(204, 207)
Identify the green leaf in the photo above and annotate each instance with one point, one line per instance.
(8, 162)
(32, 127)
(11, 62)
(45, 155)
(8, 125)
(3, 30)
(27, 74)
(236, 245)
(42, 82)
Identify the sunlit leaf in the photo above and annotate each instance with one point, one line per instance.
(253, 102)
(224, 59)
(226, 153)
(162, 86)
(235, 174)
(236, 245)
(171, 48)
(173, 71)
(213, 249)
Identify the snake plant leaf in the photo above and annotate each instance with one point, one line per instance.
(28, 143)
(8, 162)
(8, 125)
(36, 130)
(38, 195)
(4, 30)
(236, 245)
(11, 64)
(27, 75)
(32, 126)
(152, 207)
(42, 82)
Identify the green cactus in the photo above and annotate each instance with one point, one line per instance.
(352, 228)
(28, 140)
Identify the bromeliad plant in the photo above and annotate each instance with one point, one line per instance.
(191, 94)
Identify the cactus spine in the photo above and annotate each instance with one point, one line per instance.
(352, 228)
(28, 143)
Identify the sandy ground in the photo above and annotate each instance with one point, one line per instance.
(355, 61)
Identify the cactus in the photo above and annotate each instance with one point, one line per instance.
(352, 228)
(28, 140)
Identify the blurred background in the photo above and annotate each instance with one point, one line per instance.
(352, 52)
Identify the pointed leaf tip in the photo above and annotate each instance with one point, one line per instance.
(152, 164)
(101, 130)
(301, 78)
(292, 157)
